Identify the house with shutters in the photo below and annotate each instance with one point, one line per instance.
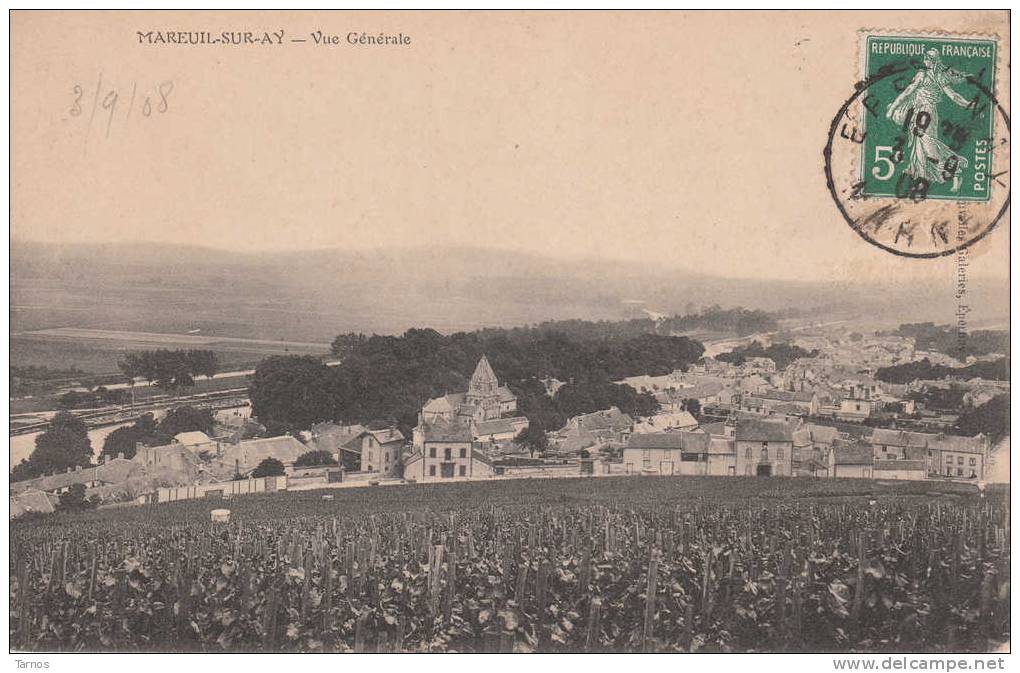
(448, 452)
(764, 447)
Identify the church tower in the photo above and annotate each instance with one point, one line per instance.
(483, 382)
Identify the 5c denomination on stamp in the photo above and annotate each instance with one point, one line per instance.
(917, 158)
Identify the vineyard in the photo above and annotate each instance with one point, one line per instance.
(615, 564)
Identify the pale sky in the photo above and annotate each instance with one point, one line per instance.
(692, 140)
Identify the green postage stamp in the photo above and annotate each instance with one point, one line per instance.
(930, 121)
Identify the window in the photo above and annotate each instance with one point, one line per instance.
(764, 453)
(747, 453)
(463, 470)
(432, 470)
(369, 468)
(884, 449)
(447, 453)
(959, 460)
(959, 471)
(779, 453)
(463, 453)
(432, 452)
(973, 462)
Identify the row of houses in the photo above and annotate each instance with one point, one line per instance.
(773, 447)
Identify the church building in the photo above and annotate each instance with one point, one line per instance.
(485, 400)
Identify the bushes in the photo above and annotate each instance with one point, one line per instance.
(315, 458)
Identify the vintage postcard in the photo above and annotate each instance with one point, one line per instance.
(510, 332)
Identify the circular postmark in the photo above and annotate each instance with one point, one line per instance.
(917, 158)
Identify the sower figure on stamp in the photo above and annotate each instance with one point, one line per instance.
(927, 156)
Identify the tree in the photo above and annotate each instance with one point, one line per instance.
(187, 419)
(990, 419)
(64, 444)
(125, 440)
(270, 467)
(290, 392)
(533, 438)
(169, 369)
(315, 458)
(692, 406)
(344, 344)
(73, 499)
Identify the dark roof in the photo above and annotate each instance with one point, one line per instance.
(496, 426)
(960, 444)
(823, 434)
(606, 419)
(719, 446)
(718, 428)
(447, 432)
(852, 453)
(754, 430)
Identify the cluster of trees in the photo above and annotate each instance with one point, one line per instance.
(146, 431)
(39, 380)
(990, 419)
(74, 500)
(992, 370)
(738, 321)
(783, 354)
(99, 397)
(315, 459)
(346, 343)
(269, 467)
(390, 377)
(946, 339)
(170, 369)
(64, 444)
(940, 399)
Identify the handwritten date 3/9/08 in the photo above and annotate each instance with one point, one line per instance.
(114, 106)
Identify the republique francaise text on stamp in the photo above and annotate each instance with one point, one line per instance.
(917, 158)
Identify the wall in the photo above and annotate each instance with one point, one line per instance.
(781, 466)
(913, 475)
(381, 458)
(422, 471)
(719, 464)
(651, 460)
(229, 488)
(852, 471)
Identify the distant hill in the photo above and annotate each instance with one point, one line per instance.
(314, 295)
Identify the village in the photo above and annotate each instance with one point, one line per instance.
(823, 416)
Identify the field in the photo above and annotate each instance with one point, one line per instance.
(579, 565)
(98, 351)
